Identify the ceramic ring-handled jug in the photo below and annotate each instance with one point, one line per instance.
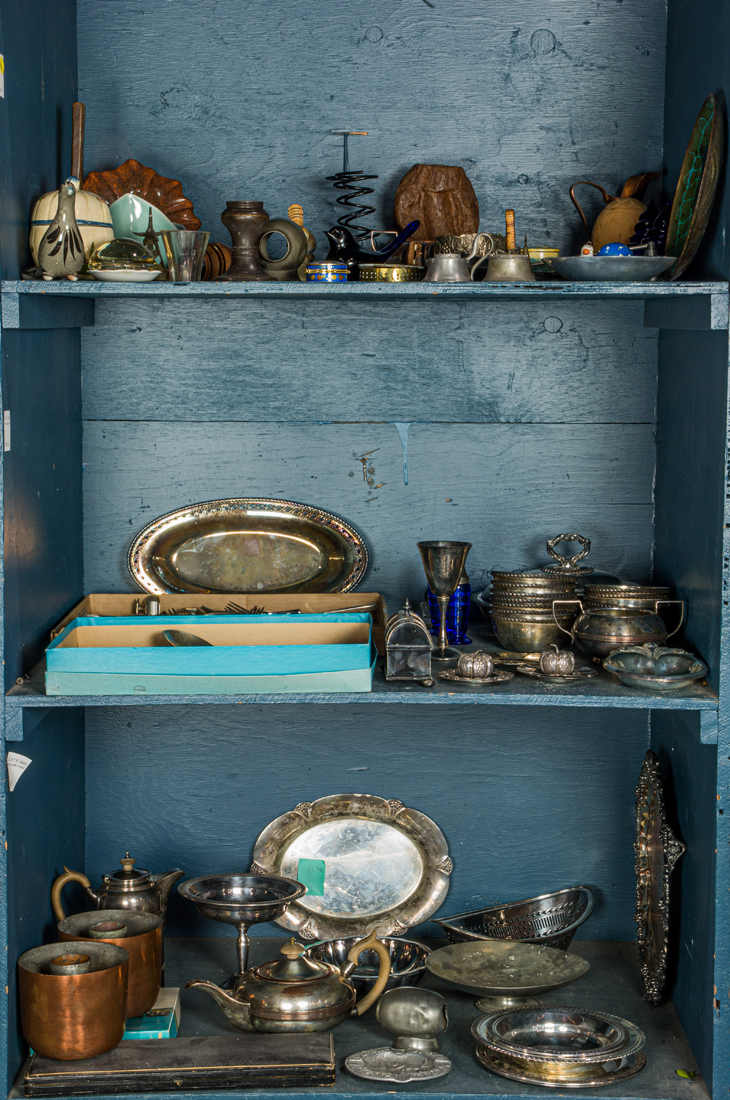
(297, 993)
(597, 631)
(129, 888)
(286, 268)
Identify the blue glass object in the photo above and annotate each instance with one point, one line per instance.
(457, 615)
(614, 249)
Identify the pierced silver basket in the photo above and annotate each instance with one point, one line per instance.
(550, 919)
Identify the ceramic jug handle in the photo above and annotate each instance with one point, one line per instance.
(372, 943)
(67, 876)
(681, 615)
(580, 605)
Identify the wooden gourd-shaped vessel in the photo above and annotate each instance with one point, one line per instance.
(617, 220)
(93, 216)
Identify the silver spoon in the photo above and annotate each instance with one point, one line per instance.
(182, 638)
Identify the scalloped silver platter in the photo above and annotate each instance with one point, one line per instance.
(248, 544)
(386, 866)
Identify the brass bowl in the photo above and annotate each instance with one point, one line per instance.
(390, 273)
(525, 635)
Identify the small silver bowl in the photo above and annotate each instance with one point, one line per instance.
(408, 961)
(652, 667)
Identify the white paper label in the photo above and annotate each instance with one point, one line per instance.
(2, 76)
(17, 763)
(6, 430)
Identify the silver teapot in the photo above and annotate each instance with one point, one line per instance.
(126, 889)
(298, 993)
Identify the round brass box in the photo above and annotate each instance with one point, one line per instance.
(391, 273)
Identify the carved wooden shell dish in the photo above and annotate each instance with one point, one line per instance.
(441, 197)
(136, 179)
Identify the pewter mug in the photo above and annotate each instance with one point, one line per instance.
(453, 267)
(509, 268)
(598, 631)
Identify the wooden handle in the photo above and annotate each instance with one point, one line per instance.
(77, 142)
(509, 217)
(67, 876)
(372, 943)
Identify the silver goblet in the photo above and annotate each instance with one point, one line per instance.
(443, 564)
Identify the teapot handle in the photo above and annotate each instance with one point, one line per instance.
(371, 943)
(681, 614)
(58, 885)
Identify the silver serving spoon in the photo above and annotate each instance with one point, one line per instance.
(182, 638)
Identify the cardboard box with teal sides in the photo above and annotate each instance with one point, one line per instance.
(255, 654)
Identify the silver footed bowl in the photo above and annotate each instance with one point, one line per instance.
(241, 898)
(505, 968)
(655, 668)
(408, 961)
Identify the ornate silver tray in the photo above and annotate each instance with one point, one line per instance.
(657, 850)
(385, 866)
(248, 545)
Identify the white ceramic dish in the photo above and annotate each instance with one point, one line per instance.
(126, 276)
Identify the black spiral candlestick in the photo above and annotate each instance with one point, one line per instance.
(348, 180)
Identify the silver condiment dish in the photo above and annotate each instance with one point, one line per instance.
(504, 973)
(550, 919)
(655, 668)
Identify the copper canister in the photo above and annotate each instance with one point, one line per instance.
(73, 1016)
(142, 939)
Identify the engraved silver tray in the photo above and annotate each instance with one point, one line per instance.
(248, 544)
(386, 866)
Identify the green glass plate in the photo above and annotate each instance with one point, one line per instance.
(696, 188)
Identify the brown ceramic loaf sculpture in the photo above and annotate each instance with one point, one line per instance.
(441, 197)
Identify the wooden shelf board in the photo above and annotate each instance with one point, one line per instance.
(613, 984)
(602, 691)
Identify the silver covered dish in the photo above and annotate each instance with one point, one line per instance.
(550, 919)
(561, 1035)
(655, 668)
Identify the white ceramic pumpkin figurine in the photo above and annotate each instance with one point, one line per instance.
(92, 213)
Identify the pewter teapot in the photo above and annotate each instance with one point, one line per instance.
(454, 267)
(297, 993)
(126, 889)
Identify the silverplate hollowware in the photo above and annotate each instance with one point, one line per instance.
(538, 674)
(505, 973)
(550, 919)
(242, 900)
(248, 544)
(598, 631)
(497, 677)
(544, 1075)
(523, 635)
(657, 850)
(655, 668)
(407, 961)
(612, 269)
(563, 1036)
(388, 865)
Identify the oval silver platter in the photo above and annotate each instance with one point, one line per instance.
(248, 544)
(385, 866)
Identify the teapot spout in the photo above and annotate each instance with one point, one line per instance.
(164, 883)
(236, 1011)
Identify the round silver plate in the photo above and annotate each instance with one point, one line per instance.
(497, 677)
(385, 866)
(387, 1064)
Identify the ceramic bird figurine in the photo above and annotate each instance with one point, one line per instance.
(61, 251)
(345, 249)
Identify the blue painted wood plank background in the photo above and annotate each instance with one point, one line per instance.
(527, 98)
(552, 362)
(540, 803)
(504, 487)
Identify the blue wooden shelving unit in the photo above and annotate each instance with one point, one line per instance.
(527, 409)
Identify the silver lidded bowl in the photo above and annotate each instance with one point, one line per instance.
(655, 668)
(550, 919)
(408, 961)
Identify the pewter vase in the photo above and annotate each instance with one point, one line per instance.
(246, 222)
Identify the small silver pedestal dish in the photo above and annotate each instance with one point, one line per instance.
(416, 1017)
(242, 900)
(550, 919)
(655, 668)
(408, 961)
(504, 973)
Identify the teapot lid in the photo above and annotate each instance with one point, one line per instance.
(294, 967)
(128, 875)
